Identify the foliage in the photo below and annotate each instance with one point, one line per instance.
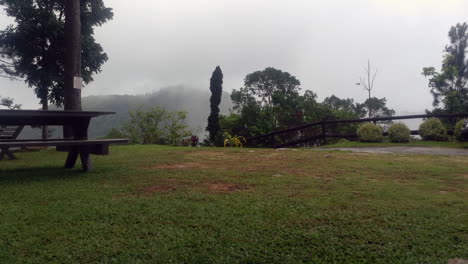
(345, 105)
(175, 127)
(378, 107)
(271, 100)
(216, 88)
(449, 86)
(192, 141)
(458, 130)
(9, 103)
(234, 141)
(264, 85)
(370, 132)
(115, 133)
(156, 126)
(399, 133)
(34, 45)
(433, 129)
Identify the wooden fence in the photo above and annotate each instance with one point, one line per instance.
(318, 132)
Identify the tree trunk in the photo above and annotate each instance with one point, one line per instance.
(72, 98)
(45, 134)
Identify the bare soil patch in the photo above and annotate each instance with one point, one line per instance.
(160, 188)
(224, 187)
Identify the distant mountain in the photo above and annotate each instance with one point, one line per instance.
(176, 98)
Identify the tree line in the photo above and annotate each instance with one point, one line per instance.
(33, 50)
(272, 99)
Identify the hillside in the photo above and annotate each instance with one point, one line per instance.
(176, 98)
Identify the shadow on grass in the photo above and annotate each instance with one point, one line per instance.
(39, 174)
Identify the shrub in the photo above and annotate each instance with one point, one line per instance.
(156, 126)
(399, 132)
(458, 130)
(370, 132)
(433, 129)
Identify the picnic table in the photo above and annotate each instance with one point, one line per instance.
(77, 145)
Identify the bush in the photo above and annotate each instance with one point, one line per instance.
(156, 126)
(399, 133)
(433, 129)
(370, 132)
(458, 130)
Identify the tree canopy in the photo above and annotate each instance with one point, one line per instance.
(216, 88)
(449, 86)
(272, 100)
(34, 45)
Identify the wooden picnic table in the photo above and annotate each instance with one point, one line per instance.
(77, 145)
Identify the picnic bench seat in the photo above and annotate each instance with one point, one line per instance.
(74, 147)
(8, 133)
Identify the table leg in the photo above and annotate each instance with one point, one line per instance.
(5, 151)
(71, 159)
(86, 161)
(79, 129)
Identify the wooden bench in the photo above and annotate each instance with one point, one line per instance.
(75, 124)
(8, 133)
(75, 148)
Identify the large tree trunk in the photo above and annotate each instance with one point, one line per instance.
(72, 98)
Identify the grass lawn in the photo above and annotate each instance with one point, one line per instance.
(154, 204)
(416, 143)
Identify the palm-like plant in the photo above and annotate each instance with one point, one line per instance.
(234, 141)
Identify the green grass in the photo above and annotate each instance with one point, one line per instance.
(153, 204)
(416, 143)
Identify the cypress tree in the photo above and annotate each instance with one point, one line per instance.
(216, 87)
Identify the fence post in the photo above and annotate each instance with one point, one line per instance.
(324, 132)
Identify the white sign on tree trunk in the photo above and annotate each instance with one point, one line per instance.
(78, 83)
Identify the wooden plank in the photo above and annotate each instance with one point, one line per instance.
(18, 131)
(62, 143)
(9, 129)
(48, 113)
(97, 149)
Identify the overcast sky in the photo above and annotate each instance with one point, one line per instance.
(325, 44)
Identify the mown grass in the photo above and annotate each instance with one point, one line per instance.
(415, 143)
(154, 204)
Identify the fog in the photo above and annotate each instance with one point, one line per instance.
(325, 44)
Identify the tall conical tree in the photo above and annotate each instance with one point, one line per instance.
(216, 87)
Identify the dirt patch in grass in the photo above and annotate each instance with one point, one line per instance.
(160, 188)
(187, 165)
(224, 187)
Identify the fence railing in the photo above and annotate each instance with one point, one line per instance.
(320, 131)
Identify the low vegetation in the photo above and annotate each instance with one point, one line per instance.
(399, 133)
(370, 132)
(458, 130)
(154, 126)
(231, 205)
(433, 129)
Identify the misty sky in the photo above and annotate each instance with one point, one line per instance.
(325, 44)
